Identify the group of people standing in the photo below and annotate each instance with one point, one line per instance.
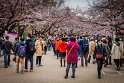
(89, 50)
(24, 52)
(69, 49)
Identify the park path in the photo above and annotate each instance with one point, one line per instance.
(51, 72)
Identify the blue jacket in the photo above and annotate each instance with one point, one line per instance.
(82, 42)
(98, 51)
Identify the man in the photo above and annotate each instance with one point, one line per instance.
(29, 53)
(21, 53)
(84, 48)
(6, 47)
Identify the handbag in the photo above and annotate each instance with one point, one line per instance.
(99, 56)
(69, 52)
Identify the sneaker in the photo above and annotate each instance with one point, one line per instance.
(5, 67)
(22, 72)
(38, 65)
(17, 71)
(66, 76)
(25, 70)
(31, 70)
(99, 77)
(73, 76)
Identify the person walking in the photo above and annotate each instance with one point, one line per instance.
(39, 51)
(99, 55)
(71, 56)
(21, 53)
(0, 46)
(6, 47)
(53, 46)
(29, 53)
(63, 45)
(57, 47)
(84, 50)
(116, 53)
(92, 45)
(108, 52)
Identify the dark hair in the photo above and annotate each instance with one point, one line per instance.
(22, 39)
(80, 37)
(17, 38)
(63, 39)
(29, 35)
(116, 39)
(72, 39)
(104, 41)
(7, 37)
(110, 39)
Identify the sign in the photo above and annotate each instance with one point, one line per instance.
(11, 37)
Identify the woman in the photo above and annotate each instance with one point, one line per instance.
(71, 56)
(99, 55)
(116, 53)
(63, 45)
(39, 51)
(108, 51)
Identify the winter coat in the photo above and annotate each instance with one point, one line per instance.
(57, 45)
(72, 55)
(116, 54)
(38, 46)
(98, 51)
(6, 46)
(92, 45)
(63, 46)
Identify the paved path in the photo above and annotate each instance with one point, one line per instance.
(51, 72)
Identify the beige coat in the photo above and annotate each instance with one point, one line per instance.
(116, 54)
(38, 46)
(122, 50)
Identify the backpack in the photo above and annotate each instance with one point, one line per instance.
(93, 47)
(22, 50)
(85, 46)
(32, 48)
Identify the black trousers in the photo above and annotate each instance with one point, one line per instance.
(118, 63)
(62, 60)
(30, 58)
(38, 60)
(99, 66)
(57, 53)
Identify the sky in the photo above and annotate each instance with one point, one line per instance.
(83, 4)
(76, 3)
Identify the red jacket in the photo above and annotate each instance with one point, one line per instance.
(72, 53)
(63, 46)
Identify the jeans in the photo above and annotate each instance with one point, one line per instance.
(19, 60)
(45, 50)
(54, 51)
(6, 58)
(99, 66)
(73, 68)
(30, 58)
(84, 56)
(0, 51)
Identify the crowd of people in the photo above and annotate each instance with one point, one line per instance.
(70, 50)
